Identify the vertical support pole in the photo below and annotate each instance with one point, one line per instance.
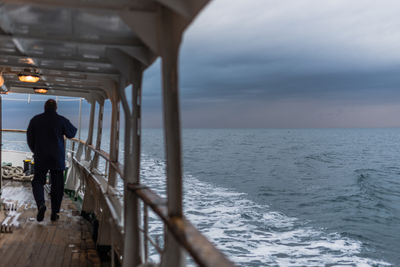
(89, 139)
(1, 142)
(114, 136)
(146, 232)
(99, 134)
(170, 39)
(72, 149)
(80, 119)
(88, 200)
(133, 242)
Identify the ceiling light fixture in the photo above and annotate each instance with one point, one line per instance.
(40, 90)
(1, 80)
(29, 78)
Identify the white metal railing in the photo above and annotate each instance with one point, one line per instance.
(200, 249)
(106, 203)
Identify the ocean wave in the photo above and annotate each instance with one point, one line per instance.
(324, 157)
(379, 184)
(251, 234)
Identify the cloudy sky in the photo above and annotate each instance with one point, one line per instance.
(283, 63)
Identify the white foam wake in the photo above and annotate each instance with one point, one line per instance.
(251, 234)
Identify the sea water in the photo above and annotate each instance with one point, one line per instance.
(291, 197)
(288, 197)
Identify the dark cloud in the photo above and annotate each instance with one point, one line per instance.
(290, 64)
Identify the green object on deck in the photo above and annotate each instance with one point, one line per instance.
(65, 174)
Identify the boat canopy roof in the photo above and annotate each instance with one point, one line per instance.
(69, 43)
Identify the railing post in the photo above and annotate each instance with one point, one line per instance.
(133, 242)
(170, 39)
(95, 163)
(1, 142)
(89, 139)
(72, 149)
(80, 119)
(146, 232)
(131, 73)
(114, 135)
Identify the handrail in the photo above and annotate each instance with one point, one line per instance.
(76, 140)
(13, 131)
(118, 167)
(199, 247)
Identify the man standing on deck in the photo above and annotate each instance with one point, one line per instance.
(45, 136)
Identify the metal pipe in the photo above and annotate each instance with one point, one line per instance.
(146, 232)
(199, 247)
(135, 154)
(80, 119)
(132, 247)
(91, 126)
(1, 143)
(99, 134)
(172, 128)
(72, 149)
(114, 136)
(170, 37)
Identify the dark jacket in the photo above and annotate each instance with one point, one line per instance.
(45, 137)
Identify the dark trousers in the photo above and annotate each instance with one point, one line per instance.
(57, 188)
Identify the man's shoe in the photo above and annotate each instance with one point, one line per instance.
(54, 217)
(40, 214)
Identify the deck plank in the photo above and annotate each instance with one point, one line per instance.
(26, 247)
(30, 252)
(42, 255)
(13, 246)
(57, 247)
(37, 246)
(66, 242)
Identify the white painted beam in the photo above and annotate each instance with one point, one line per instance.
(73, 81)
(95, 162)
(103, 5)
(72, 72)
(89, 140)
(144, 24)
(25, 90)
(142, 54)
(85, 90)
(170, 36)
(186, 8)
(66, 40)
(114, 135)
(126, 65)
(52, 84)
(56, 58)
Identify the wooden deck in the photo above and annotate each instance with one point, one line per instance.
(66, 242)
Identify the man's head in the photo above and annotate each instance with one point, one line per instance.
(50, 105)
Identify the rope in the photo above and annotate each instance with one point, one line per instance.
(15, 173)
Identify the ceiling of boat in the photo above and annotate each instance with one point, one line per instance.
(65, 42)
